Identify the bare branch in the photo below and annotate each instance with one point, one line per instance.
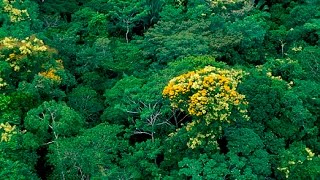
(142, 132)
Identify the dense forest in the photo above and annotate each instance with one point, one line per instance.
(159, 89)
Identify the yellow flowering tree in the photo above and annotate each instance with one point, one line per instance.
(22, 59)
(210, 95)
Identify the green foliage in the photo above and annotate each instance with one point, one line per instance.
(219, 166)
(141, 160)
(298, 161)
(168, 40)
(82, 85)
(18, 18)
(287, 69)
(263, 94)
(59, 6)
(309, 60)
(127, 18)
(125, 58)
(15, 170)
(238, 136)
(95, 153)
(244, 40)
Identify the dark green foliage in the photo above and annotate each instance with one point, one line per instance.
(309, 59)
(85, 100)
(118, 95)
(124, 57)
(250, 33)
(263, 94)
(141, 160)
(237, 137)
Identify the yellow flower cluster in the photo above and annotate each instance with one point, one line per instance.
(194, 142)
(26, 47)
(190, 125)
(209, 92)
(200, 138)
(14, 13)
(285, 170)
(297, 49)
(9, 42)
(8, 131)
(310, 154)
(2, 83)
(51, 74)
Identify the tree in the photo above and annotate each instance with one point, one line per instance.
(210, 93)
(124, 58)
(18, 18)
(18, 155)
(242, 41)
(85, 101)
(51, 121)
(62, 8)
(93, 154)
(168, 41)
(119, 96)
(126, 19)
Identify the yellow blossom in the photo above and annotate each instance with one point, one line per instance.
(51, 74)
(310, 154)
(8, 131)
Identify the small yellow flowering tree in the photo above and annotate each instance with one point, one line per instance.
(14, 12)
(25, 58)
(210, 95)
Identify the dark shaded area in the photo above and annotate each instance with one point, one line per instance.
(43, 169)
(159, 159)
(137, 138)
(223, 145)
